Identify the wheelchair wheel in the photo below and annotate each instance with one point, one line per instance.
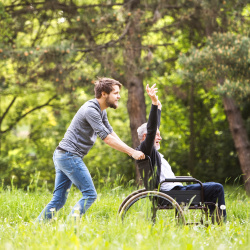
(128, 197)
(144, 206)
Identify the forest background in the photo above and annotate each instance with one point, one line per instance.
(196, 51)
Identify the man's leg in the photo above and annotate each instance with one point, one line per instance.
(83, 181)
(70, 169)
(77, 172)
(213, 192)
(60, 194)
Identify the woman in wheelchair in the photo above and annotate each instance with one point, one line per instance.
(149, 136)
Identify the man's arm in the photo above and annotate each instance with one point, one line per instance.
(119, 145)
(116, 136)
(95, 121)
(93, 117)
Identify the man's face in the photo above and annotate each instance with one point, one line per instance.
(113, 97)
(157, 140)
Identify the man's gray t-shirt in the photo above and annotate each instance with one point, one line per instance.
(88, 122)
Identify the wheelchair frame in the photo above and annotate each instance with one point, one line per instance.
(173, 199)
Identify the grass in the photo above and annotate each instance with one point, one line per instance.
(100, 229)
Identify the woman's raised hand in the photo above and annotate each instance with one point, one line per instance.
(152, 93)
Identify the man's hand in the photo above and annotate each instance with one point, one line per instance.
(152, 94)
(138, 155)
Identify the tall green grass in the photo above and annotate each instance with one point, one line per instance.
(99, 228)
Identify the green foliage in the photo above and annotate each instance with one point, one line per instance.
(224, 60)
(27, 151)
(221, 67)
(215, 158)
(51, 52)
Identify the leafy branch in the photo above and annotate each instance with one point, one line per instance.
(21, 116)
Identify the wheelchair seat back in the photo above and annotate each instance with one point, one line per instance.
(147, 173)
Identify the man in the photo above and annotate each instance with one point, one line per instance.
(149, 136)
(90, 120)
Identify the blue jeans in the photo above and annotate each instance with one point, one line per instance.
(213, 192)
(70, 169)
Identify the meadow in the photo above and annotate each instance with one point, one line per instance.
(100, 228)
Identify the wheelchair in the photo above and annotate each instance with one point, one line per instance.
(166, 207)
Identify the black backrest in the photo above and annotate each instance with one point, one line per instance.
(147, 173)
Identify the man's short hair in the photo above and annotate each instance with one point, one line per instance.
(142, 130)
(105, 85)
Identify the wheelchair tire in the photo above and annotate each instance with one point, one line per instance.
(128, 197)
(144, 206)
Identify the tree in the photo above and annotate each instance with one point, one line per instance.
(60, 46)
(224, 63)
(87, 32)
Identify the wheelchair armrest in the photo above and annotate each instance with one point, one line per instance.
(184, 176)
(181, 179)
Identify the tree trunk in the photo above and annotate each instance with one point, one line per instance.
(136, 107)
(192, 132)
(133, 79)
(240, 138)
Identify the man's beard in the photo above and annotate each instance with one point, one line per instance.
(157, 146)
(110, 104)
